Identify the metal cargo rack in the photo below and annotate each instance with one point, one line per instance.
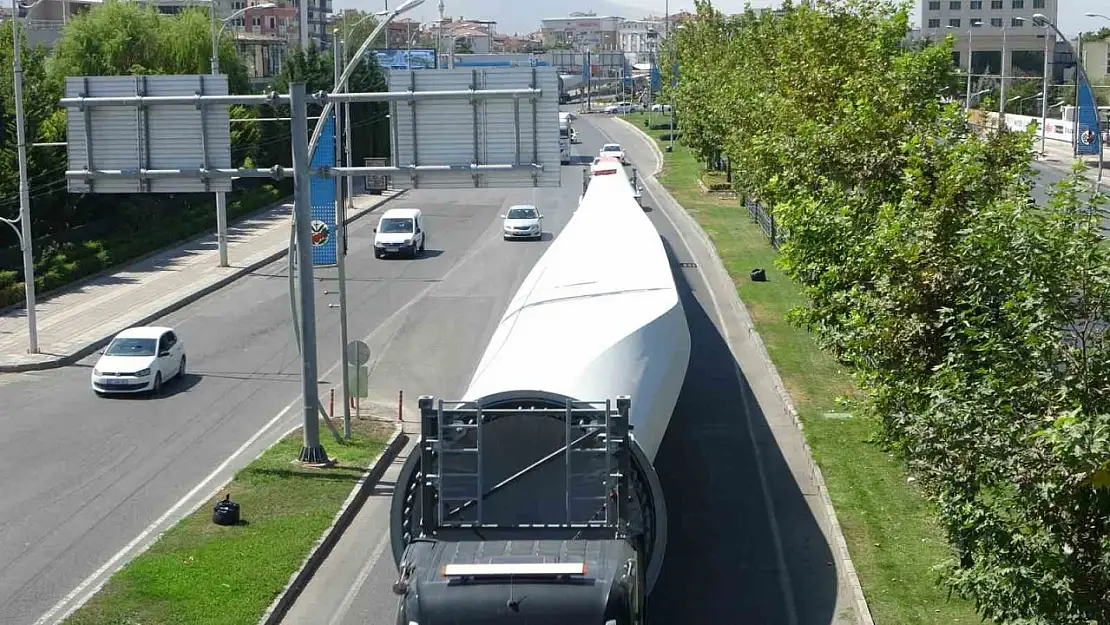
(456, 479)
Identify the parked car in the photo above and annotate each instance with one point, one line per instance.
(660, 108)
(523, 221)
(620, 108)
(139, 359)
(400, 231)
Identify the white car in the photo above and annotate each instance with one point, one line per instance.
(620, 108)
(612, 150)
(660, 108)
(139, 359)
(523, 221)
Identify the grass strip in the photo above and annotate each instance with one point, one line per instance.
(890, 529)
(199, 573)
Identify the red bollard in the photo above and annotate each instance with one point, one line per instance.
(331, 404)
(400, 403)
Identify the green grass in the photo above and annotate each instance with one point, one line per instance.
(889, 527)
(199, 573)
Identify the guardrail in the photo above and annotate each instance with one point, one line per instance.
(765, 218)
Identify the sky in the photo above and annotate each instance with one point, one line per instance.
(1070, 15)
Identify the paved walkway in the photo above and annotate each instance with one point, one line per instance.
(77, 320)
(1059, 156)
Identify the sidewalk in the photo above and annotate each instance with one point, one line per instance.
(79, 319)
(1059, 156)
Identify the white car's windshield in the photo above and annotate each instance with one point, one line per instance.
(131, 347)
(395, 225)
(522, 213)
(611, 147)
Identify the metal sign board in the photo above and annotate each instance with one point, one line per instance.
(406, 58)
(153, 136)
(358, 353)
(504, 134)
(376, 183)
(323, 200)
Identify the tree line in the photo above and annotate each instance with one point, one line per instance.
(974, 319)
(78, 235)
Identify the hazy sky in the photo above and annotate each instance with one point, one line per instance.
(1071, 18)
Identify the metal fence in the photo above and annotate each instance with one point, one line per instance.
(765, 218)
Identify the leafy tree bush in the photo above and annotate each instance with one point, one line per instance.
(975, 320)
(76, 236)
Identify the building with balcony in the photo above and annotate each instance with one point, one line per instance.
(263, 55)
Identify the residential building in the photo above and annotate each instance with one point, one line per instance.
(582, 32)
(1096, 60)
(464, 36)
(638, 37)
(263, 55)
(401, 33)
(980, 27)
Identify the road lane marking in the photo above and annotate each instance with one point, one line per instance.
(114, 563)
(785, 582)
(360, 580)
(150, 529)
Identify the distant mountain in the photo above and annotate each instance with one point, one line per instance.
(512, 16)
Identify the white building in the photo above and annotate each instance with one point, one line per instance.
(980, 26)
(638, 37)
(582, 32)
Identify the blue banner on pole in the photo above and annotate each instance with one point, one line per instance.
(656, 79)
(1088, 134)
(322, 191)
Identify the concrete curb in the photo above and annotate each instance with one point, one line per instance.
(863, 613)
(238, 272)
(351, 507)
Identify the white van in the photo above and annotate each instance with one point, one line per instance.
(400, 231)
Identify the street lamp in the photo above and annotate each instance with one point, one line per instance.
(1002, 99)
(24, 219)
(971, 25)
(344, 135)
(221, 197)
(227, 20)
(311, 448)
(1080, 77)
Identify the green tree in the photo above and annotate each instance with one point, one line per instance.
(976, 321)
(369, 124)
(116, 38)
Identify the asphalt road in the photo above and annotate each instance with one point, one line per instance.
(744, 545)
(88, 476)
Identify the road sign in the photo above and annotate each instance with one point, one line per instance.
(358, 353)
(323, 200)
(358, 379)
(376, 183)
(503, 135)
(153, 136)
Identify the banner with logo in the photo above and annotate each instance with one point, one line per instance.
(1088, 135)
(322, 191)
(656, 78)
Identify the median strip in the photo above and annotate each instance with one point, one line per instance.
(200, 573)
(890, 529)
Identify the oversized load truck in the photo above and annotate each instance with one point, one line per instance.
(533, 498)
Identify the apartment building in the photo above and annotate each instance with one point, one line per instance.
(981, 27)
(581, 32)
(638, 37)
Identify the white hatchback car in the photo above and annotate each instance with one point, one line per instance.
(613, 150)
(523, 222)
(139, 359)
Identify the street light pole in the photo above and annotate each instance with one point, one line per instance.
(221, 197)
(312, 452)
(1049, 37)
(1080, 76)
(24, 187)
(340, 247)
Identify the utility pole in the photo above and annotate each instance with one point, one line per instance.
(24, 187)
(1049, 38)
(340, 246)
(312, 452)
(221, 197)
